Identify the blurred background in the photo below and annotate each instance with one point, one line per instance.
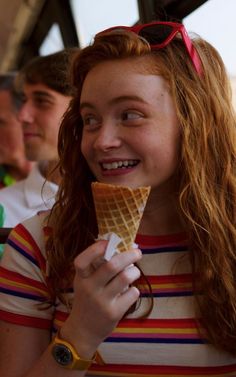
(38, 27)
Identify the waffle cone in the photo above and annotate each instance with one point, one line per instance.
(119, 210)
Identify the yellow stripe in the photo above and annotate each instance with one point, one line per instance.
(180, 285)
(58, 322)
(24, 242)
(156, 330)
(21, 285)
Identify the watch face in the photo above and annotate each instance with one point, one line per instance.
(62, 354)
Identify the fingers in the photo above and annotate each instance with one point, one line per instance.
(128, 297)
(91, 261)
(87, 262)
(123, 281)
(104, 287)
(117, 264)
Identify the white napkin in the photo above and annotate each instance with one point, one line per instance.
(113, 241)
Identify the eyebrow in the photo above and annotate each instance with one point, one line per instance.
(40, 94)
(114, 101)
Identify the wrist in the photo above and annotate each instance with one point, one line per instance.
(80, 342)
(67, 356)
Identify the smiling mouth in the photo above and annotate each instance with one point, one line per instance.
(126, 164)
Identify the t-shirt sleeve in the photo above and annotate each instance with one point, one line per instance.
(24, 293)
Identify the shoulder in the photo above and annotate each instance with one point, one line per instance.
(36, 224)
(23, 276)
(28, 238)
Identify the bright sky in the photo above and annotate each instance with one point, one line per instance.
(214, 21)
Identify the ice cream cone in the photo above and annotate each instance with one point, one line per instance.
(119, 210)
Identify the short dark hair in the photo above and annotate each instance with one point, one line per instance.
(51, 70)
(7, 83)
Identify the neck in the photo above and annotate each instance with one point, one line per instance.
(161, 216)
(50, 171)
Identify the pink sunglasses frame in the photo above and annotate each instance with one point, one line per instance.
(176, 28)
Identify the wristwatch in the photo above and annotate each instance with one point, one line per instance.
(66, 355)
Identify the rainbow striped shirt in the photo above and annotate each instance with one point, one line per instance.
(166, 344)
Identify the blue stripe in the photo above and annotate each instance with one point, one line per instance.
(154, 340)
(169, 294)
(167, 249)
(21, 294)
(23, 252)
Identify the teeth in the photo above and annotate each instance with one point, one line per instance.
(119, 164)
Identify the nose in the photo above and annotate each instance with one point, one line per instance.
(108, 137)
(26, 113)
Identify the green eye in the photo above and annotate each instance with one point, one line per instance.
(131, 115)
(90, 120)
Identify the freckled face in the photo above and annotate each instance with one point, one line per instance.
(131, 134)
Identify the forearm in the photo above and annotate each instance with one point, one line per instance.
(46, 366)
(27, 352)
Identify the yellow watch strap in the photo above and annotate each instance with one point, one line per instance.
(78, 362)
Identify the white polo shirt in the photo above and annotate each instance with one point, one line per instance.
(27, 197)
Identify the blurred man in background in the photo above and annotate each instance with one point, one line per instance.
(46, 92)
(14, 165)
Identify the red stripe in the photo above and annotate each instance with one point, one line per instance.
(25, 320)
(162, 369)
(18, 278)
(61, 316)
(180, 278)
(24, 233)
(180, 238)
(161, 323)
(144, 323)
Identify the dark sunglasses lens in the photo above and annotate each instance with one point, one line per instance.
(156, 34)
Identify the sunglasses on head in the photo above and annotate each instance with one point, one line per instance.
(160, 34)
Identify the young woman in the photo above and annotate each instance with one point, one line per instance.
(152, 108)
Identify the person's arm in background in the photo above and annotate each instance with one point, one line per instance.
(2, 218)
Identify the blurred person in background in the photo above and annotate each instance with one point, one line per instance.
(14, 165)
(46, 91)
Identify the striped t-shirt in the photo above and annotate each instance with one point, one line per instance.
(166, 344)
